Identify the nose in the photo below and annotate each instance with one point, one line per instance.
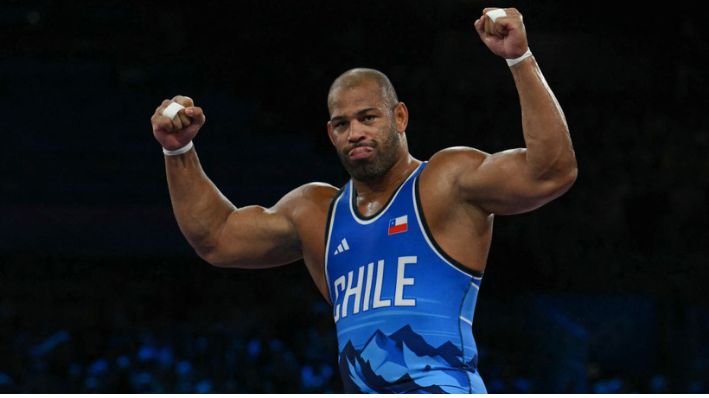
(356, 132)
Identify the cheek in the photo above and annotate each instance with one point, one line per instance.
(332, 136)
(338, 142)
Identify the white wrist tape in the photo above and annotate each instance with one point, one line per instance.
(178, 151)
(515, 61)
(172, 109)
(497, 13)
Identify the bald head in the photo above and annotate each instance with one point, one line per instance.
(361, 76)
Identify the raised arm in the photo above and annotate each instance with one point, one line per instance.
(524, 179)
(223, 235)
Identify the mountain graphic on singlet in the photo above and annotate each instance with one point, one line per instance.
(384, 361)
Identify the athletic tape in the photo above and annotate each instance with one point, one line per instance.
(497, 13)
(515, 61)
(172, 109)
(178, 151)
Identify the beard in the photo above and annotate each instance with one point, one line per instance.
(377, 166)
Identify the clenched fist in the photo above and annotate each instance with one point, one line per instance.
(505, 36)
(177, 132)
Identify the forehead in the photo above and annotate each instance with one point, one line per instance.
(346, 99)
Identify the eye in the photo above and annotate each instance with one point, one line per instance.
(369, 118)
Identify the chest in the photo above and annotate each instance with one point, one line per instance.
(372, 225)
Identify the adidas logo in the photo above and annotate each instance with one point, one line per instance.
(342, 247)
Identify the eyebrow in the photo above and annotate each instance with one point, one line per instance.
(363, 111)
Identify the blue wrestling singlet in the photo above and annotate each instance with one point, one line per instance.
(402, 307)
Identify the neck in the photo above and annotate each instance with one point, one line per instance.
(389, 181)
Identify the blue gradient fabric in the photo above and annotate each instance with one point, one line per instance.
(403, 308)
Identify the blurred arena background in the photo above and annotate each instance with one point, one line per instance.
(603, 290)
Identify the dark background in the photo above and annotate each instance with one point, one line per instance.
(602, 290)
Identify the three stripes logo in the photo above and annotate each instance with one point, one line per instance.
(342, 247)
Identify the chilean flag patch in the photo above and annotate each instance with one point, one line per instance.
(398, 225)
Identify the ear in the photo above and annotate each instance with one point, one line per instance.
(401, 115)
(330, 134)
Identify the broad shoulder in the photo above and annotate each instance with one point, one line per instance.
(307, 208)
(316, 191)
(458, 154)
(447, 164)
(308, 198)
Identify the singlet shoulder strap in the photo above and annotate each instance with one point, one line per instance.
(476, 275)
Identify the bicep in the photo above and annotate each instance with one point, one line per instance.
(502, 183)
(256, 237)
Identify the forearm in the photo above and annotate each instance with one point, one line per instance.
(200, 209)
(550, 153)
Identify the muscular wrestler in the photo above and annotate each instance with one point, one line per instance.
(400, 250)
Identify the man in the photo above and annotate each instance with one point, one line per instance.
(400, 250)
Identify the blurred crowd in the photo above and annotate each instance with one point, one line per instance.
(184, 360)
(181, 360)
(154, 328)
